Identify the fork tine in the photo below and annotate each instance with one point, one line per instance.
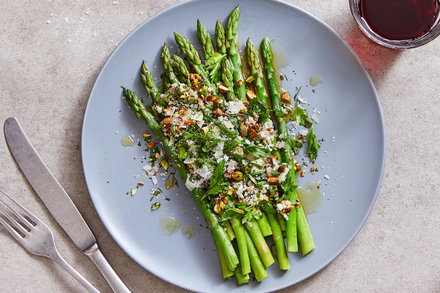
(19, 211)
(8, 227)
(12, 222)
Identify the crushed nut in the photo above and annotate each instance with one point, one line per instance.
(250, 93)
(223, 89)
(237, 175)
(285, 97)
(218, 112)
(273, 180)
(167, 120)
(250, 79)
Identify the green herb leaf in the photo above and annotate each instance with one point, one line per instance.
(313, 147)
(296, 145)
(300, 116)
(214, 63)
(217, 182)
(259, 108)
(256, 151)
(182, 153)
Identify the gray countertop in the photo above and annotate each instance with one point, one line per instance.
(51, 53)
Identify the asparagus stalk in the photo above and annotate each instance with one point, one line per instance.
(179, 68)
(277, 234)
(233, 52)
(264, 226)
(220, 37)
(225, 245)
(282, 222)
(205, 40)
(148, 82)
(228, 79)
(229, 230)
(166, 62)
(226, 272)
(257, 266)
(303, 230)
(192, 55)
(242, 246)
(241, 277)
(260, 243)
(257, 73)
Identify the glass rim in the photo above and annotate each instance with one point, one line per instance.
(430, 35)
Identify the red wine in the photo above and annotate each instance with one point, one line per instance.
(399, 19)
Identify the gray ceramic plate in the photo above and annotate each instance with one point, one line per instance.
(350, 121)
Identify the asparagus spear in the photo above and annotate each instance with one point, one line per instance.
(220, 37)
(166, 62)
(228, 79)
(192, 55)
(257, 73)
(261, 95)
(260, 243)
(297, 222)
(225, 245)
(277, 235)
(233, 52)
(256, 264)
(179, 68)
(205, 40)
(148, 82)
(242, 246)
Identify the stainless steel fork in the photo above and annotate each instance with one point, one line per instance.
(34, 235)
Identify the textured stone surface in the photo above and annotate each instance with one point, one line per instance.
(51, 53)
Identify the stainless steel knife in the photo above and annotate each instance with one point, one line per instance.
(57, 200)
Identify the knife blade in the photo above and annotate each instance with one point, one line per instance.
(56, 199)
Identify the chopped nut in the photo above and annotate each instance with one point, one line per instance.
(243, 130)
(140, 183)
(281, 120)
(223, 89)
(285, 97)
(250, 93)
(218, 112)
(164, 164)
(190, 122)
(273, 180)
(146, 134)
(303, 173)
(219, 206)
(250, 79)
(313, 169)
(239, 211)
(167, 120)
(155, 206)
(237, 175)
(151, 144)
(240, 82)
(297, 167)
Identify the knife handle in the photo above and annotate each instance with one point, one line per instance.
(106, 270)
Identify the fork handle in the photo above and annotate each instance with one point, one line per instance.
(60, 260)
(106, 270)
